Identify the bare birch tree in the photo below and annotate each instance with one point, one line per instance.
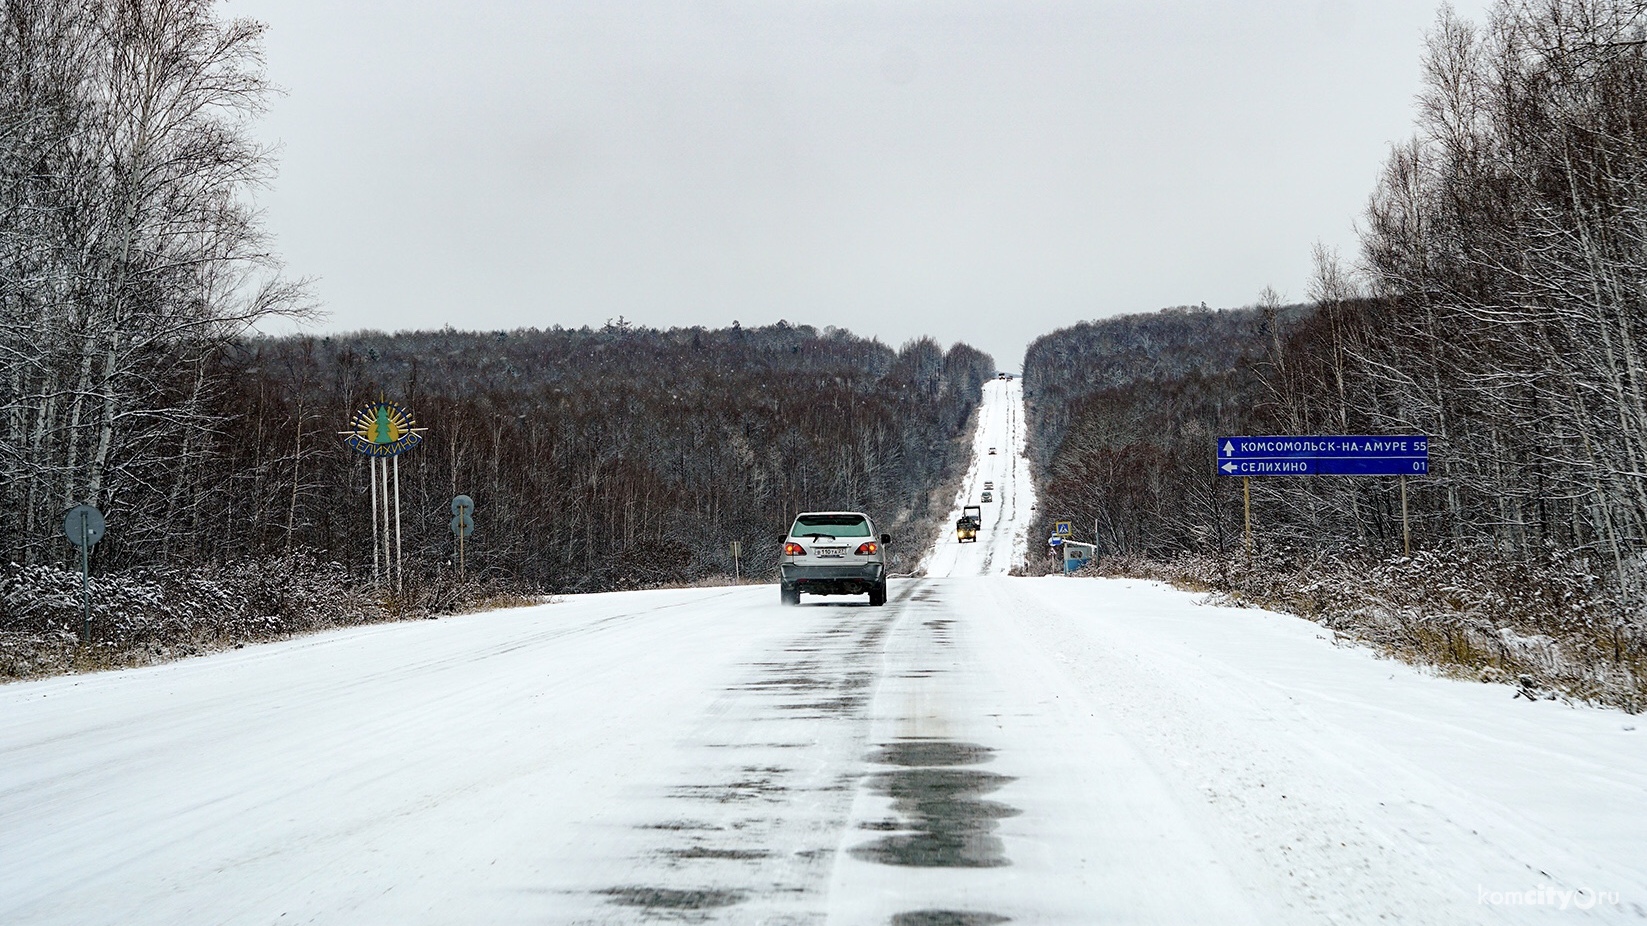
(129, 253)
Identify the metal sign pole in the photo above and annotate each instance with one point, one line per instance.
(460, 552)
(399, 573)
(376, 576)
(1406, 533)
(388, 561)
(1246, 502)
(85, 575)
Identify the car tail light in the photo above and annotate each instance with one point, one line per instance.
(793, 549)
(868, 549)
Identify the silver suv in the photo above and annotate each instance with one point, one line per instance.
(833, 553)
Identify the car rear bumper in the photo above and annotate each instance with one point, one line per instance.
(833, 580)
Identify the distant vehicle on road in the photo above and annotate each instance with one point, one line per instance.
(833, 553)
(987, 496)
(992, 451)
(966, 528)
(989, 484)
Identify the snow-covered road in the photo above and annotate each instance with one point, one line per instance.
(1005, 471)
(983, 748)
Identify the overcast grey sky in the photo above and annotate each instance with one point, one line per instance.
(977, 171)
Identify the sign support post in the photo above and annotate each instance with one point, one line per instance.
(395, 462)
(1406, 533)
(372, 462)
(85, 581)
(1246, 503)
(737, 572)
(388, 560)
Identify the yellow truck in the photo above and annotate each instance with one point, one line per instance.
(966, 527)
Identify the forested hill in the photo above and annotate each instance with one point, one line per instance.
(1123, 412)
(1064, 369)
(597, 459)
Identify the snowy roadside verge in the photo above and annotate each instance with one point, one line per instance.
(1343, 787)
(147, 616)
(1546, 627)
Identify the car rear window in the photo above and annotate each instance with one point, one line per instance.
(835, 525)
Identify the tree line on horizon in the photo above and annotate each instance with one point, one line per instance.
(597, 459)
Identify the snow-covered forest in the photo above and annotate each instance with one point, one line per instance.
(597, 459)
(133, 268)
(1497, 305)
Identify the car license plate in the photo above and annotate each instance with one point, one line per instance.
(831, 551)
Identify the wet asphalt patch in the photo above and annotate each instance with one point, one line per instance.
(680, 825)
(920, 753)
(747, 789)
(670, 900)
(946, 822)
(696, 852)
(948, 918)
(826, 676)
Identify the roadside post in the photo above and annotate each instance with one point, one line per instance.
(1246, 508)
(1406, 534)
(463, 523)
(737, 551)
(83, 526)
(1400, 455)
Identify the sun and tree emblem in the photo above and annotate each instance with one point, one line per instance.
(383, 429)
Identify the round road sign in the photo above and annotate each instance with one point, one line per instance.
(463, 525)
(83, 525)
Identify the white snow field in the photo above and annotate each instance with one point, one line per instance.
(983, 749)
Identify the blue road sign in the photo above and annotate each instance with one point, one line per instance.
(1325, 455)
